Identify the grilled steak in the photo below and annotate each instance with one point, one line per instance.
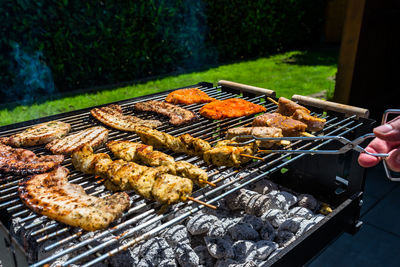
(289, 126)
(112, 116)
(21, 161)
(257, 132)
(288, 107)
(51, 194)
(39, 134)
(94, 137)
(314, 124)
(177, 115)
(230, 108)
(188, 96)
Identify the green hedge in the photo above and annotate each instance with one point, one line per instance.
(93, 43)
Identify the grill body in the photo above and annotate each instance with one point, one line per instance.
(334, 179)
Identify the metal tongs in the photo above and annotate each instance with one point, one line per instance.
(347, 144)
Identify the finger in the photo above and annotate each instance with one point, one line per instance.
(393, 160)
(389, 131)
(376, 146)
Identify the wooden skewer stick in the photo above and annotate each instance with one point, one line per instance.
(250, 156)
(202, 203)
(307, 134)
(272, 100)
(285, 142)
(209, 183)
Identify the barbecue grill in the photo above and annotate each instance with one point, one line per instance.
(31, 239)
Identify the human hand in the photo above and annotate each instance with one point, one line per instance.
(387, 141)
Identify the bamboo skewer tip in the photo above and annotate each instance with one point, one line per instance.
(251, 156)
(209, 183)
(272, 100)
(307, 134)
(202, 203)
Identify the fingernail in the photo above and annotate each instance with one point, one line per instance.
(386, 128)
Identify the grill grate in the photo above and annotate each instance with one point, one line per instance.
(229, 180)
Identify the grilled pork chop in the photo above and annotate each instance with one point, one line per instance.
(51, 194)
(177, 115)
(39, 134)
(22, 161)
(112, 116)
(94, 137)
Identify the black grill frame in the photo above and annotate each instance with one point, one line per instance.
(300, 178)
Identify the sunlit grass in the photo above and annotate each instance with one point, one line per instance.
(288, 73)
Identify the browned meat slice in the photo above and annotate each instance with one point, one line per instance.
(21, 161)
(177, 115)
(51, 194)
(225, 155)
(170, 189)
(314, 124)
(112, 116)
(39, 134)
(288, 107)
(94, 137)
(257, 132)
(289, 126)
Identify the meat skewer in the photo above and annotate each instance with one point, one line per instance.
(112, 116)
(221, 155)
(140, 153)
(151, 183)
(51, 194)
(177, 115)
(255, 131)
(290, 108)
(289, 126)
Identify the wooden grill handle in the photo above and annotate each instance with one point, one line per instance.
(328, 105)
(247, 88)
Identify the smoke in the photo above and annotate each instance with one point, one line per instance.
(33, 78)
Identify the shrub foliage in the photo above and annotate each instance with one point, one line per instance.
(92, 43)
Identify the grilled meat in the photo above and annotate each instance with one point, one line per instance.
(51, 194)
(224, 155)
(177, 115)
(257, 132)
(94, 137)
(112, 116)
(230, 108)
(21, 161)
(123, 175)
(289, 126)
(188, 96)
(169, 189)
(314, 124)
(287, 107)
(140, 153)
(181, 144)
(39, 134)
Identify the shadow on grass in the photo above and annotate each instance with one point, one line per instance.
(326, 56)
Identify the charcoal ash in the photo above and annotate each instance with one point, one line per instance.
(273, 254)
(219, 248)
(217, 229)
(243, 231)
(308, 201)
(244, 251)
(304, 226)
(186, 256)
(148, 227)
(168, 263)
(275, 216)
(263, 186)
(291, 225)
(254, 221)
(256, 204)
(156, 250)
(282, 200)
(205, 259)
(301, 212)
(265, 248)
(200, 223)
(267, 232)
(284, 238)
(317, 218)
(176, 234)
(197, 240)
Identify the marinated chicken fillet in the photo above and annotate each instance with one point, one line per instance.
(177, 115)
(113, 117)
(287, 107)
(131, 151)
(230, 108)
(257, 132)
(224, 155)
(51, 194)
(188, 96)
(37, 135)
(94, 137)
(22, 161)
(289, 126)
(181, 144)
(122, 175)
(314, 124)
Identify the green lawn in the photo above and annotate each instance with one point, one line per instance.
(289, 73)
